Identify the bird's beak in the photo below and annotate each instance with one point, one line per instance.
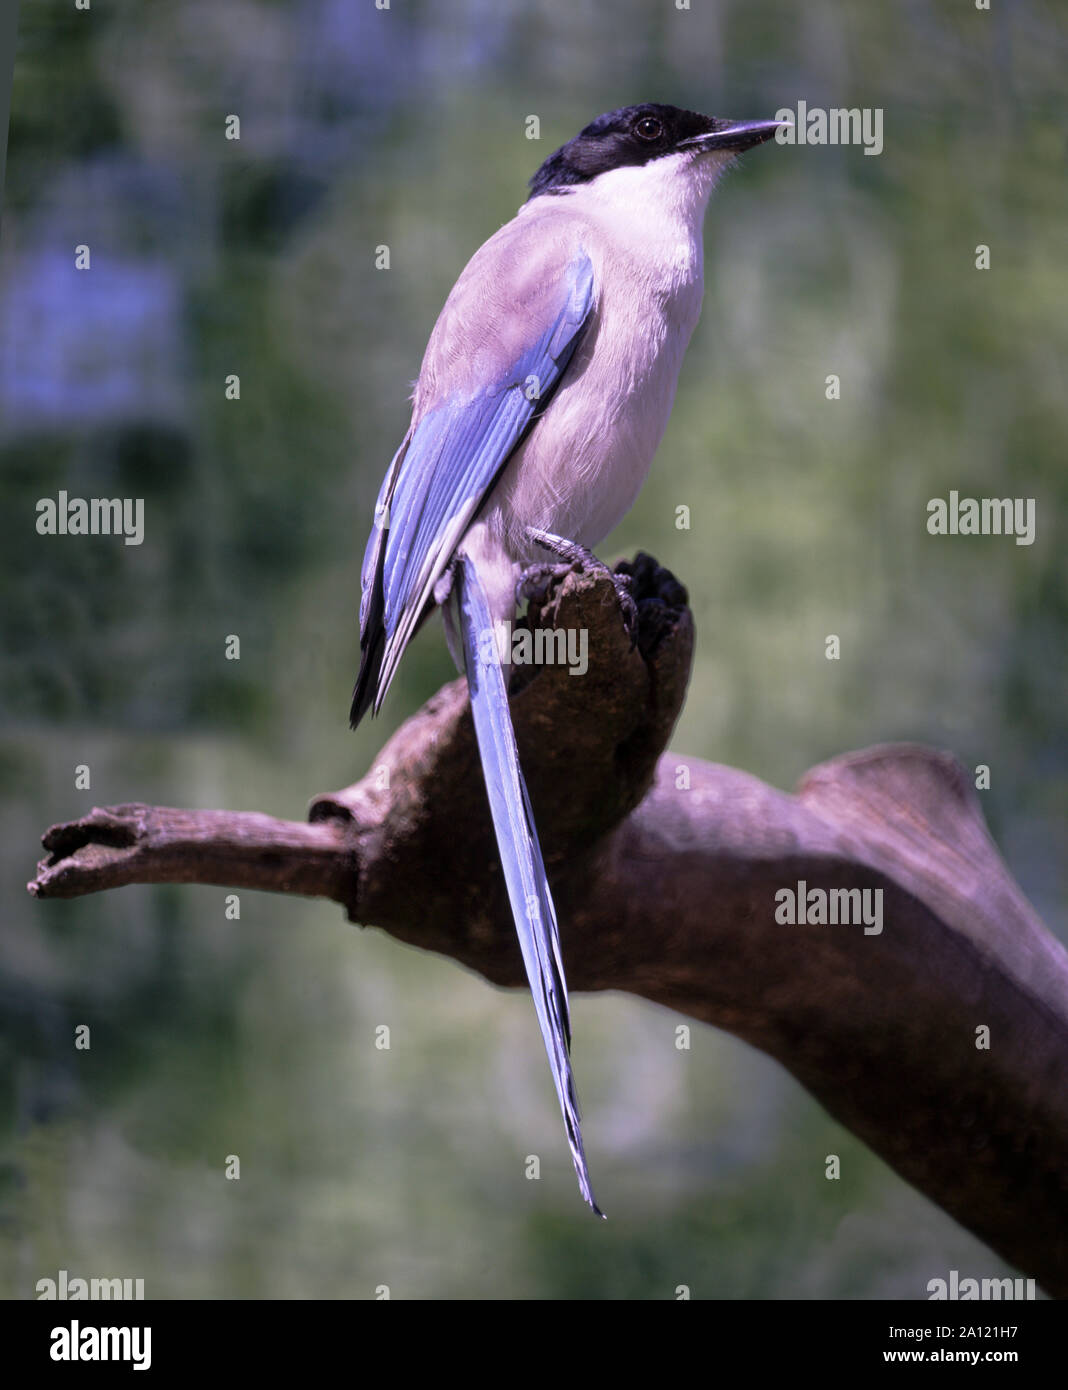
(734, 136)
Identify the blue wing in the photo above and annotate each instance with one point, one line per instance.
(517, 840)
(447, 463)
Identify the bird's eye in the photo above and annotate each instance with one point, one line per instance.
(649, 128)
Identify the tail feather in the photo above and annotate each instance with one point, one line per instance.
(517, 840)
(366, 687)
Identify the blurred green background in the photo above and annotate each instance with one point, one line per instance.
(406, 127)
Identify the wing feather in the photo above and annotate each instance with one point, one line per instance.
(460, 440)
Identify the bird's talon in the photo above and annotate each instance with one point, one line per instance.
(622, 585)
(535, 581)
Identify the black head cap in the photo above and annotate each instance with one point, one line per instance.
(637, 134)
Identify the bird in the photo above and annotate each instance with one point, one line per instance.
(543, 395)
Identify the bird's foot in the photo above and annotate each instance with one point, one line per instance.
(536, 580)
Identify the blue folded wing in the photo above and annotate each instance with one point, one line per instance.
(440, 475)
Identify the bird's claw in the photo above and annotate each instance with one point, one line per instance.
(622, 585)
(535, 580)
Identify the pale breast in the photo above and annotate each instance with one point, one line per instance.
(582, 467)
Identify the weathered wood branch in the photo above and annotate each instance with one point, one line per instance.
(665, 870)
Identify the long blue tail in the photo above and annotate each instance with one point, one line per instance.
(517, 841)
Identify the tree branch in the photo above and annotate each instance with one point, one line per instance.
(665, 871)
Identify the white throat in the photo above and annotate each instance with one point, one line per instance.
(670, 193)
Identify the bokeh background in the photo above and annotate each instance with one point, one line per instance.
(406, 127)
